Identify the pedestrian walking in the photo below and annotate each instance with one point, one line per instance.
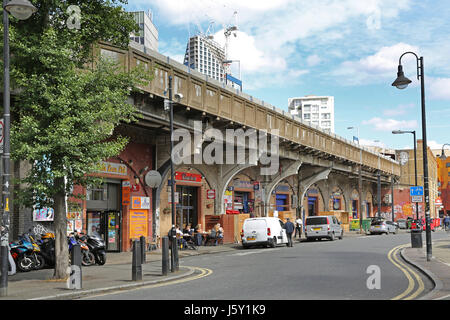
(446, 222)
(289, 226)
(298, 228)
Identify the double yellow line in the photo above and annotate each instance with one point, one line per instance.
(393, 256)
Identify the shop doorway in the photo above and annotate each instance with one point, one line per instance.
(368, 211)
(106, 225)
(282, 202)
(355, 209)
(242, 202)
(187, 208)
(103, 204)
(312, 206)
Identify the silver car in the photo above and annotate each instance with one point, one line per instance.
(383, 226)
(317, 227)
(402, 224)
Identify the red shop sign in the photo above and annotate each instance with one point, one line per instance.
(211, 194)
(186, 176)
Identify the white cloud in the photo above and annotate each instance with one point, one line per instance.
(372, 143)
(399, 111)
(434, 145)
(380, 124)
(379, 67)
(313, 60)
(439, 88)
(271, 31)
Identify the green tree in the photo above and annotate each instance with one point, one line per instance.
(67, 105)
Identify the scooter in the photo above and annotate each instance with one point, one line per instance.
(98, 248)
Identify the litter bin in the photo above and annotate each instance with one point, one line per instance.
(416, 238)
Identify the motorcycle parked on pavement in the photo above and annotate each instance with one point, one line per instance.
(98, 248)
(47, 245)
(26, 254)
(87, 257)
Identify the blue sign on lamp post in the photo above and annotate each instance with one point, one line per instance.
(416, 191)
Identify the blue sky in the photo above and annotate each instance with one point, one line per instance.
(348, 49)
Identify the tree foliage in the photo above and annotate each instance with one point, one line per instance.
(66, 107)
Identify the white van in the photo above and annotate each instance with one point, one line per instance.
(266, 231)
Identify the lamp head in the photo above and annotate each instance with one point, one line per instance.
(397, 132)
(401, 82)
(20, 9)
(443, 157)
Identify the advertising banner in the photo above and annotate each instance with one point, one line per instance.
(138, 223)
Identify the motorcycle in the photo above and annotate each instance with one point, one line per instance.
(98, 248)
(47, 245)
(26, 254)
(87, 257)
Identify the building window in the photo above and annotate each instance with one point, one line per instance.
(97, 193)
(326, 116)
(447, 164)
(307, 116)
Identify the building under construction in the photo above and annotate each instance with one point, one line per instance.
(206, 56)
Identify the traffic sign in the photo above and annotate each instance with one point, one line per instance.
(417, 199)
(416, 191)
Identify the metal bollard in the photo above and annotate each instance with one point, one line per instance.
(142, 238)
(165, 256)
(75, 278)
(136, 268)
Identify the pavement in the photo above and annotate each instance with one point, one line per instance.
(116, 274)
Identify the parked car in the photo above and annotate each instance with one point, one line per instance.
(383, 226)
(402, 224)
(318, 227)
(265, 231)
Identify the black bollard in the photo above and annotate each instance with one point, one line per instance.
(74, 281)
(143, 249)
(165, 256)
(136, 268)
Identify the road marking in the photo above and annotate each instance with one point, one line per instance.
(204, 272)
(392, 256)
(251, 252)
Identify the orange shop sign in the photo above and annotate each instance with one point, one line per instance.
(138, 223)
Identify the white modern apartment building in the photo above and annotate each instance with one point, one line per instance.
(147, 37)
(206, 56)
(314, 110)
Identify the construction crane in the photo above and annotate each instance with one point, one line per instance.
(228, 31)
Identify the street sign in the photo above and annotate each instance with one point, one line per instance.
(417, 199)
(416, 191)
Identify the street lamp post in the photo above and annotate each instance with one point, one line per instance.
(22, 10)
(359, 183)
(415, 162)
(402, 83)
(443, 157)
